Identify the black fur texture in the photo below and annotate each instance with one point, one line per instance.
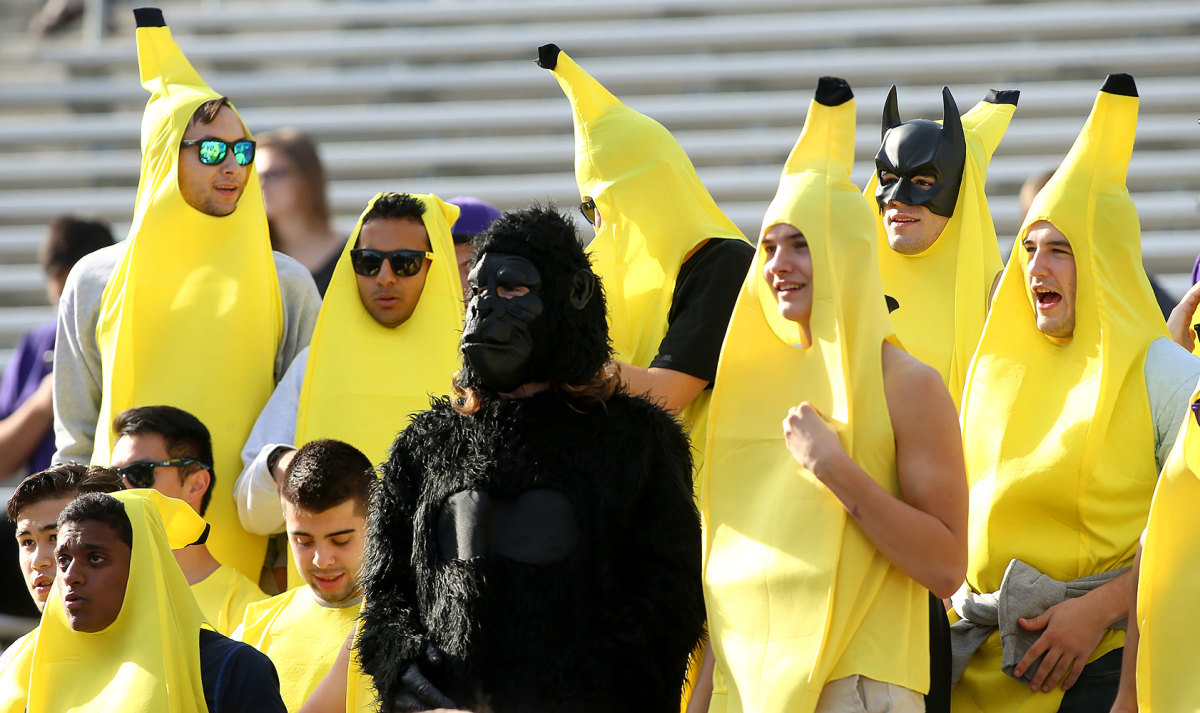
(610, 626)
(570, 345)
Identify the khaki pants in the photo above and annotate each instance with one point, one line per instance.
(858, 694)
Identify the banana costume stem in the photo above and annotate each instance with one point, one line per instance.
(1060, 434)
(192, 314)
(942, 292)
(777, 541)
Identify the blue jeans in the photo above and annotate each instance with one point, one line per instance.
(1096, 688)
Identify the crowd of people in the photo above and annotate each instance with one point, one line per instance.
(861, 464)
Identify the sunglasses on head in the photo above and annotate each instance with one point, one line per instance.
(140, 474)
(588, 208)
(212, 151)
(405, 263)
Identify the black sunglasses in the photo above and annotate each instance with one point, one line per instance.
(212, 151)
(405, 263)
(588, 208)
(140, 474)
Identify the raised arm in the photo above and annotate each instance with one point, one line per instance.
(923, 532)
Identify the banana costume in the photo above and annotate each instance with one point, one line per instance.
(1168, 582)
(654, 212)
(300, 636)
(797, 595)
(1059, 437)
(148, 659)
(345, 395)
(191, 316)
(943, 291)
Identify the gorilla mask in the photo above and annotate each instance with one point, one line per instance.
(537, 310)
(921, 148)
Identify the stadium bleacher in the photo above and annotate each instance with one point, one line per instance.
(444, 97)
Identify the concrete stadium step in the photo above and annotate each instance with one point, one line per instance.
(505, 117)
(650, 35)
(679, 73)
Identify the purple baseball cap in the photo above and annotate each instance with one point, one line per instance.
(474, 217)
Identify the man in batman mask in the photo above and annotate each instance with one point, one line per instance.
(937, 248)
(534, 542)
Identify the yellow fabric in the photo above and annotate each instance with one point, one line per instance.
(360, 688)
(14, 673)
(148, 659)
(943, 291)
(654, 212)
(1059, 437)
(301, 637)
(191, 317)
(796, 593)
(343, 395)
(1169, 580)
(223, 597)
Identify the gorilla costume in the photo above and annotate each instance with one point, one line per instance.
(537, 553)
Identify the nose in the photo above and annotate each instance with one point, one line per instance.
(43, 557)
(73, 574)
(386, 276)
(778, 264)
(324, 557)
(1037, 263)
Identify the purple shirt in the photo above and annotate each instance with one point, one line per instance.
(30, 363)
(1196, 271)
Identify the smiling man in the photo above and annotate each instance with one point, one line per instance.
(1072, 403)
(937, 248)
(394, 299)
(193, 309)
(325, 498)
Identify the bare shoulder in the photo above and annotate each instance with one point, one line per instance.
(915, 391)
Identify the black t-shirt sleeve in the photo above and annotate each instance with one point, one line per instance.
(237, 677)
(705, 292)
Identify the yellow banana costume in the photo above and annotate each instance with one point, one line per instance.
(654, 213)
(301, 637)
(1059, 437)
(797, 595)
(223, 597)
(943, 291)
(191, 317)
(1168, 582)
(14, 675)
(344, 395)
(148, 659)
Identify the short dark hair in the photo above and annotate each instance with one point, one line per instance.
(100, 507)
(397, 206)
(207, 112)
(69, 238)
(327, 473)
(60, 481)
(183, 433)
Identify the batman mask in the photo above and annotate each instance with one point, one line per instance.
(921, 148)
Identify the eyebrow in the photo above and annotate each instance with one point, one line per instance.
(301, 533)
(45, 528)
(61, 549)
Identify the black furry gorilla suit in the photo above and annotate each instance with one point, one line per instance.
(545, 550)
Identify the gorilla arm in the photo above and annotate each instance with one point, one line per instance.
(661, 552)
(392, 636)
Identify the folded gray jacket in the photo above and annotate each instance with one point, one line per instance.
(1024, 592)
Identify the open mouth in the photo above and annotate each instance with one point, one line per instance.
(901, 220)
(787, 289)
(1046, 299)
(73, 601)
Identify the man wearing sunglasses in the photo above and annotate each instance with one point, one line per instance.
(394, 300)
(168, 449)
(193, 309)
